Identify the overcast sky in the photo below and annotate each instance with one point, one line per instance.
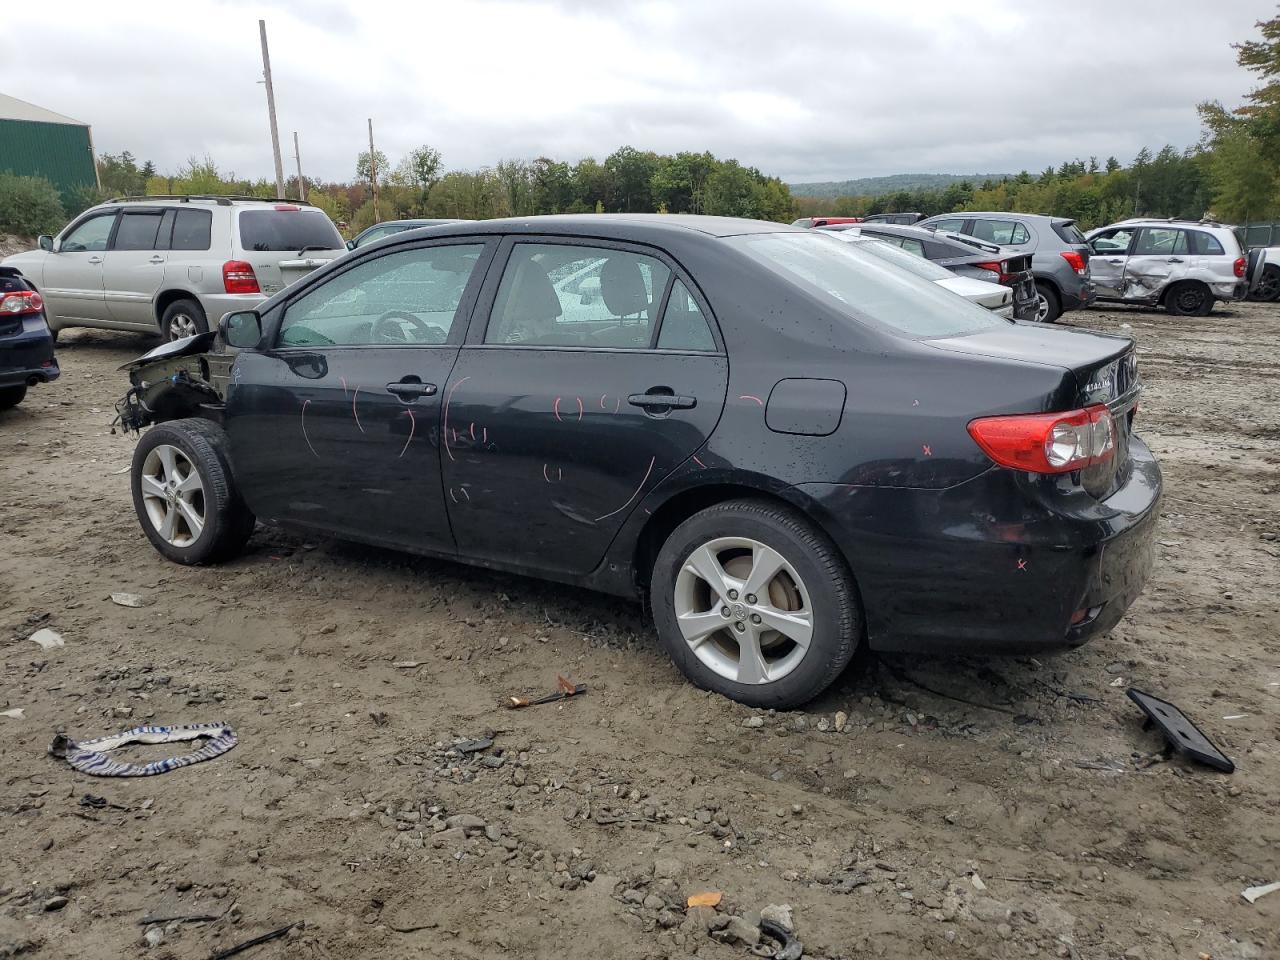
(806, 89)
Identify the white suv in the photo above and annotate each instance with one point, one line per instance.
(175, 264)
(1182, 265)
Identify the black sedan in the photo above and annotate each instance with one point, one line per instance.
(26, 345)
(786, 449)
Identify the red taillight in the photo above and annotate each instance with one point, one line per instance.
(287, 207)
(1240, 265)
(20, 302)
(1075, 259)
(1048, 442)
(238, 277)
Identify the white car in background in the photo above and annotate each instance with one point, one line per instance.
(994, 296)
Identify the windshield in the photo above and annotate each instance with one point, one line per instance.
(292, 230)
(864, 286)
(900, 258)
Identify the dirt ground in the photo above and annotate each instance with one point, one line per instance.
(924, 807)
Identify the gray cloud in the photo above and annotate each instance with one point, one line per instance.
(808, 91)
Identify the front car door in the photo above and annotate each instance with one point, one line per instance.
(336, 425)
(1106, 265)
(73, 271)
(597, 374)
(133, 267)
(1156, 255)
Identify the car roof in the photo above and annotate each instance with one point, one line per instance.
(1008, 214)
(619, 225)
(900, 230)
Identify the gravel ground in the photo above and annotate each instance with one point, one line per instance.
(925, 806)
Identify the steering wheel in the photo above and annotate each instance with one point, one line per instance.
(382, 329)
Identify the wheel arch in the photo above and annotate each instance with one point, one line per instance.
(1172, 288)
(166, 298)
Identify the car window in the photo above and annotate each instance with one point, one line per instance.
(192, 229)
(912, 245)
(1003, 232)
(577, 296)
(1113, 241)
(1158, 242)
(1068, 232)
(683, 325)
(406, 298)
(90, 235)
(137, 230)
(863, 287)
(376, 234)
(1204, 244)
(953, 224)
(283, 228)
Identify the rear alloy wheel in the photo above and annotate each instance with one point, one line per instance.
(183, 493)
(1048, 306)
(182, 319)
(1268, 288)
(12, 396)
(754, 603)
(1189, 300)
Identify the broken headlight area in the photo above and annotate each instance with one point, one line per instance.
(173, 388)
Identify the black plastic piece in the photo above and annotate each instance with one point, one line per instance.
(1183, 735)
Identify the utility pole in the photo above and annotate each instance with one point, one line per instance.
(373, 171)
(297, 156)
(271, 108)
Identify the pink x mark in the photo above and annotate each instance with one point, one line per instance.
(1022, 565)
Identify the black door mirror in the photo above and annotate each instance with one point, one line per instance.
(45, 242)
(241, 330)
(351, 244)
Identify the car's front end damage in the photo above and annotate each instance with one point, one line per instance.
(185, 378)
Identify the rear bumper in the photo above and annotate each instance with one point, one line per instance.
(218, 305)
(26, 357)
(1082, 296)
(1227, 290)
(997, 563)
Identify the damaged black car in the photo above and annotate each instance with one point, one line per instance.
(784, 450)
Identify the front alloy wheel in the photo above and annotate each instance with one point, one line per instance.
(173, 495)
(743, 610)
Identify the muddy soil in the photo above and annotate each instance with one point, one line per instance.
(999, 808)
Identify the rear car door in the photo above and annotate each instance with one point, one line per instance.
(133, 267)
(336, 425)
(284, 242)
(73, 272)
(598, 372)
(1106, 265)
(1157, 256)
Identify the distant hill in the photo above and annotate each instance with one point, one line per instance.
(878, 186)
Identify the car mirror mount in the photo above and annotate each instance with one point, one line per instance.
(241, 330)
(351, 244)
(45, 242)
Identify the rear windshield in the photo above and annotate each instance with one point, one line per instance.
(292, 230)
(907, 261)
(1068, 232)
(865, 287)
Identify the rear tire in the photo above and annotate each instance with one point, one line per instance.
(12, 396)
(1188, 299)
(778, 649)
(1050, 306)
(183, 318)
(184, 493)
(1268, 288)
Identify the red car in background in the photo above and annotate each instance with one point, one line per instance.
(823, 221)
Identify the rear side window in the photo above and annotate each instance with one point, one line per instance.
(1205, 244)
(683, 325)
(912, 245)
(953, 225)
(291, 230)
(191, 230)
(578, 296)
(863, 287)
(1068, 232)
(137, 230)
(1003, 232)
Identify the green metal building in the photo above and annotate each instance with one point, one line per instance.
(35, 142)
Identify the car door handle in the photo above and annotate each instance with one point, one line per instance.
(156, 260)
(1118, 261)
(411, 389)
(95, 260)
(1174, 260)
(662, 400)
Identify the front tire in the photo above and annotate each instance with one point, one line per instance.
(1189, 299)
(12, 396)
(182, 319)
(753, 602)
(184, 493)
(1049, 307)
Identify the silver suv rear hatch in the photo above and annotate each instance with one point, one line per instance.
(285, 242)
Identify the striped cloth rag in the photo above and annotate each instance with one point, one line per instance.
(90, 756)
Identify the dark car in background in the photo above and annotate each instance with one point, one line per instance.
(26, 345)
(788, 450)
(1059, 253)
(388, 227)
(900, 219)
(963, 256)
